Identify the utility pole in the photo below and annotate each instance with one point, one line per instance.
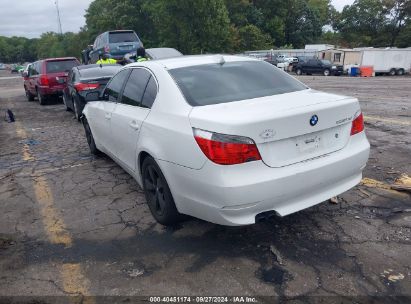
(58, 17)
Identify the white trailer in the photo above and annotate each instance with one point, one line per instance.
(388, 61)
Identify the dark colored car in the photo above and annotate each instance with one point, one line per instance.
(85, 79)
(318, 66)
(115, 43)
(47, 78)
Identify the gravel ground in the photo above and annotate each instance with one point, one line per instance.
(74, 227)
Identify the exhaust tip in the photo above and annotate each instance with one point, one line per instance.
(263, 216)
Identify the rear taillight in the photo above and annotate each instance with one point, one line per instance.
(44, 81)
(225, 149)
(357, 124)
(86, 86)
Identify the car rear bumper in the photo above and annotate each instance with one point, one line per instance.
(58, 90)
(235, 195)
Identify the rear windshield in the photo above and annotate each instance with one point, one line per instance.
(118, 37)
(105, 71)
(60, 66)
(232, 81)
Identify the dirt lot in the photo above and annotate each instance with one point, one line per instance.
(75, 225)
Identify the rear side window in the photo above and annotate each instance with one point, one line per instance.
(32, 70)
(135, 87)
(232, 81)
(116, 84)
(150, 94)
(60, 66)
(118, 37)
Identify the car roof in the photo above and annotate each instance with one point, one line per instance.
(193, 60)
(60, 58)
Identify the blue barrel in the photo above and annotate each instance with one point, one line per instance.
(354, 71)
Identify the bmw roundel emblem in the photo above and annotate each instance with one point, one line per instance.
(313, 120)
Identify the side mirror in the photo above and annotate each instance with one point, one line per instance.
(92, 96)
(25, 74)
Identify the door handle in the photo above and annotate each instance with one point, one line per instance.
(134, 125)
(107, 116)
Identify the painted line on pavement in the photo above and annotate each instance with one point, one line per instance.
(73, 277)
(372, 183)
(388, 120)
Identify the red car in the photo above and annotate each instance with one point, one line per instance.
(47, 78)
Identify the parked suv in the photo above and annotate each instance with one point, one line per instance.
(317, 66)
(47, 78)
(115, 43)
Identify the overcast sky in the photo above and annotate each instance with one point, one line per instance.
(30, 18)
(339, 4)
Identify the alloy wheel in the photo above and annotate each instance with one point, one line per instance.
(154, 186)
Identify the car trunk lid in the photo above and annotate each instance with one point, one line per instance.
(100, 83)
(280, 124)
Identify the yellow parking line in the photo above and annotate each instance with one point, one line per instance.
(73, 278)
(372, 183)
(393, 121)
(52, 221)
(74, 281)
(23, 135)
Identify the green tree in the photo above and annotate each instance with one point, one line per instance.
(192, 26)
(399, 15)
(252, 38)
(302, 24)
(323, 9)
(362, 23)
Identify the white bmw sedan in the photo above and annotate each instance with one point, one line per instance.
(227, 139)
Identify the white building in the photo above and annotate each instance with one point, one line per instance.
(319, 47)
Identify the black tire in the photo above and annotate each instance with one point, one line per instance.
(65, 103)
(392, 72)
(77, 115)
(298, 71)
(42, 99)
(158, 194)
(90, 138)
(30, 97)
(400, 72)
(326, 72)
